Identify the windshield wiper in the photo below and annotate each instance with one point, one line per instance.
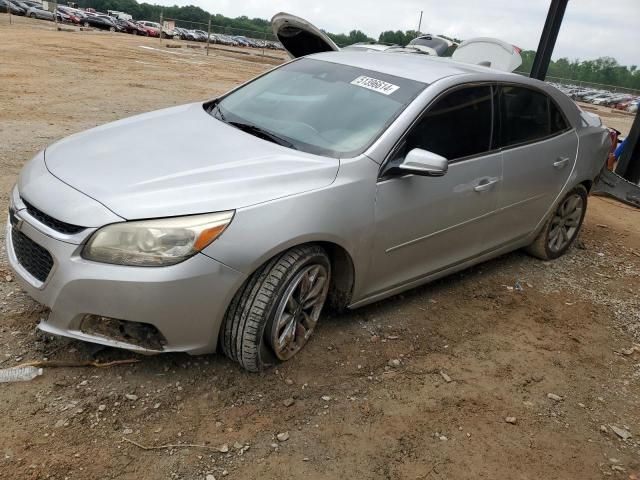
(262, 133)
(215, 108)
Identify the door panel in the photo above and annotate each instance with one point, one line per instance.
(534, 175)
(539, 153)
(424, 224)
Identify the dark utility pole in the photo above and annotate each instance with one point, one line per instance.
(548, 39)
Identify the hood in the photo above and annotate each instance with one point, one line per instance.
(300, 37)
(182, 161)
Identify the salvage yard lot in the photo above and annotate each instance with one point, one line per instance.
(417, 387)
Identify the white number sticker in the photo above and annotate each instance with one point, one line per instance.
(375, 85)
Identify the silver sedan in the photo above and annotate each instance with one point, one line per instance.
(337, 179)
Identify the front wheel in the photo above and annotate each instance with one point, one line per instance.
(112, 29)
(276, 311)
(86, 24)
(562, 228)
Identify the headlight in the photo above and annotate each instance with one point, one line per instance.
(155, 243)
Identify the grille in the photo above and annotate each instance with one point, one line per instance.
(35, 259)
(51, 222)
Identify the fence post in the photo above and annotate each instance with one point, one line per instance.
(161, 27)
(55, 15)
(9, 12)
(208, 34)
(264, 43)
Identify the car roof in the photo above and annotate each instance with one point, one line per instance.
(422, 68)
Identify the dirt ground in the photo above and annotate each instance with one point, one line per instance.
(415, 387)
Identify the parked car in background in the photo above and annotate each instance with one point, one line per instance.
(200, 35)
(76, 16)
(16, 8)
(100, 21)
(152, 28)
(128, 26)
(38, 12)
(181, 33)
(31, 3)
(63, 16)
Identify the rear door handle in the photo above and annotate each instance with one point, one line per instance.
(561, 162)
(486, 184)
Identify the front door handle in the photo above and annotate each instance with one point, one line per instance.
(561, 162)
(485, 185)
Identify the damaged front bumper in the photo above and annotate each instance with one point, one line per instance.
(144, 309)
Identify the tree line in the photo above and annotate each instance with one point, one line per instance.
(605, 70)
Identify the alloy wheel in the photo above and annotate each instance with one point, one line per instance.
(565, 222)
(298, 311)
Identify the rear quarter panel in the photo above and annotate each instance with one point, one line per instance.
(593, 149)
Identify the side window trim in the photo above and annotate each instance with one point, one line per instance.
(550, 101)
(399, 143)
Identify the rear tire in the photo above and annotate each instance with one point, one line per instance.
(271, 317)
(562, 228)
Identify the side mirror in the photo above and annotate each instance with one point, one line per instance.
(425, 163)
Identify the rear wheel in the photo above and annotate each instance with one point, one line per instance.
(112, 29)
(562, 228)
(85, 24)
(276, 311)
(32, 15)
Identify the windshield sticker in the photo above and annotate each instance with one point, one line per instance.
(375, 85)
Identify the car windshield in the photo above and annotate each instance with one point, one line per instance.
(318, 107)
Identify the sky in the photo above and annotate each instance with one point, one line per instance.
(591, 28)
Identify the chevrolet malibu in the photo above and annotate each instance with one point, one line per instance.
(338, 179)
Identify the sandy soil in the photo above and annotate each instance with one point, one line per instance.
(471, 350)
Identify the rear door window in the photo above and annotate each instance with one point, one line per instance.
(527, 115)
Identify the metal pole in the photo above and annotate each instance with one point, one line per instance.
(55, 14)
(548, 39)
(420, 23)
(161, 27)
(264, 42)
(9, 12)
(208, 34)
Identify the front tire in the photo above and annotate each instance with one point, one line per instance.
(562, 227)
(275, 312)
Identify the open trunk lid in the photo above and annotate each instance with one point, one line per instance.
(299, 37)
(489, 52)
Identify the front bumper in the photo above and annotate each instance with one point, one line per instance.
(186, 302)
